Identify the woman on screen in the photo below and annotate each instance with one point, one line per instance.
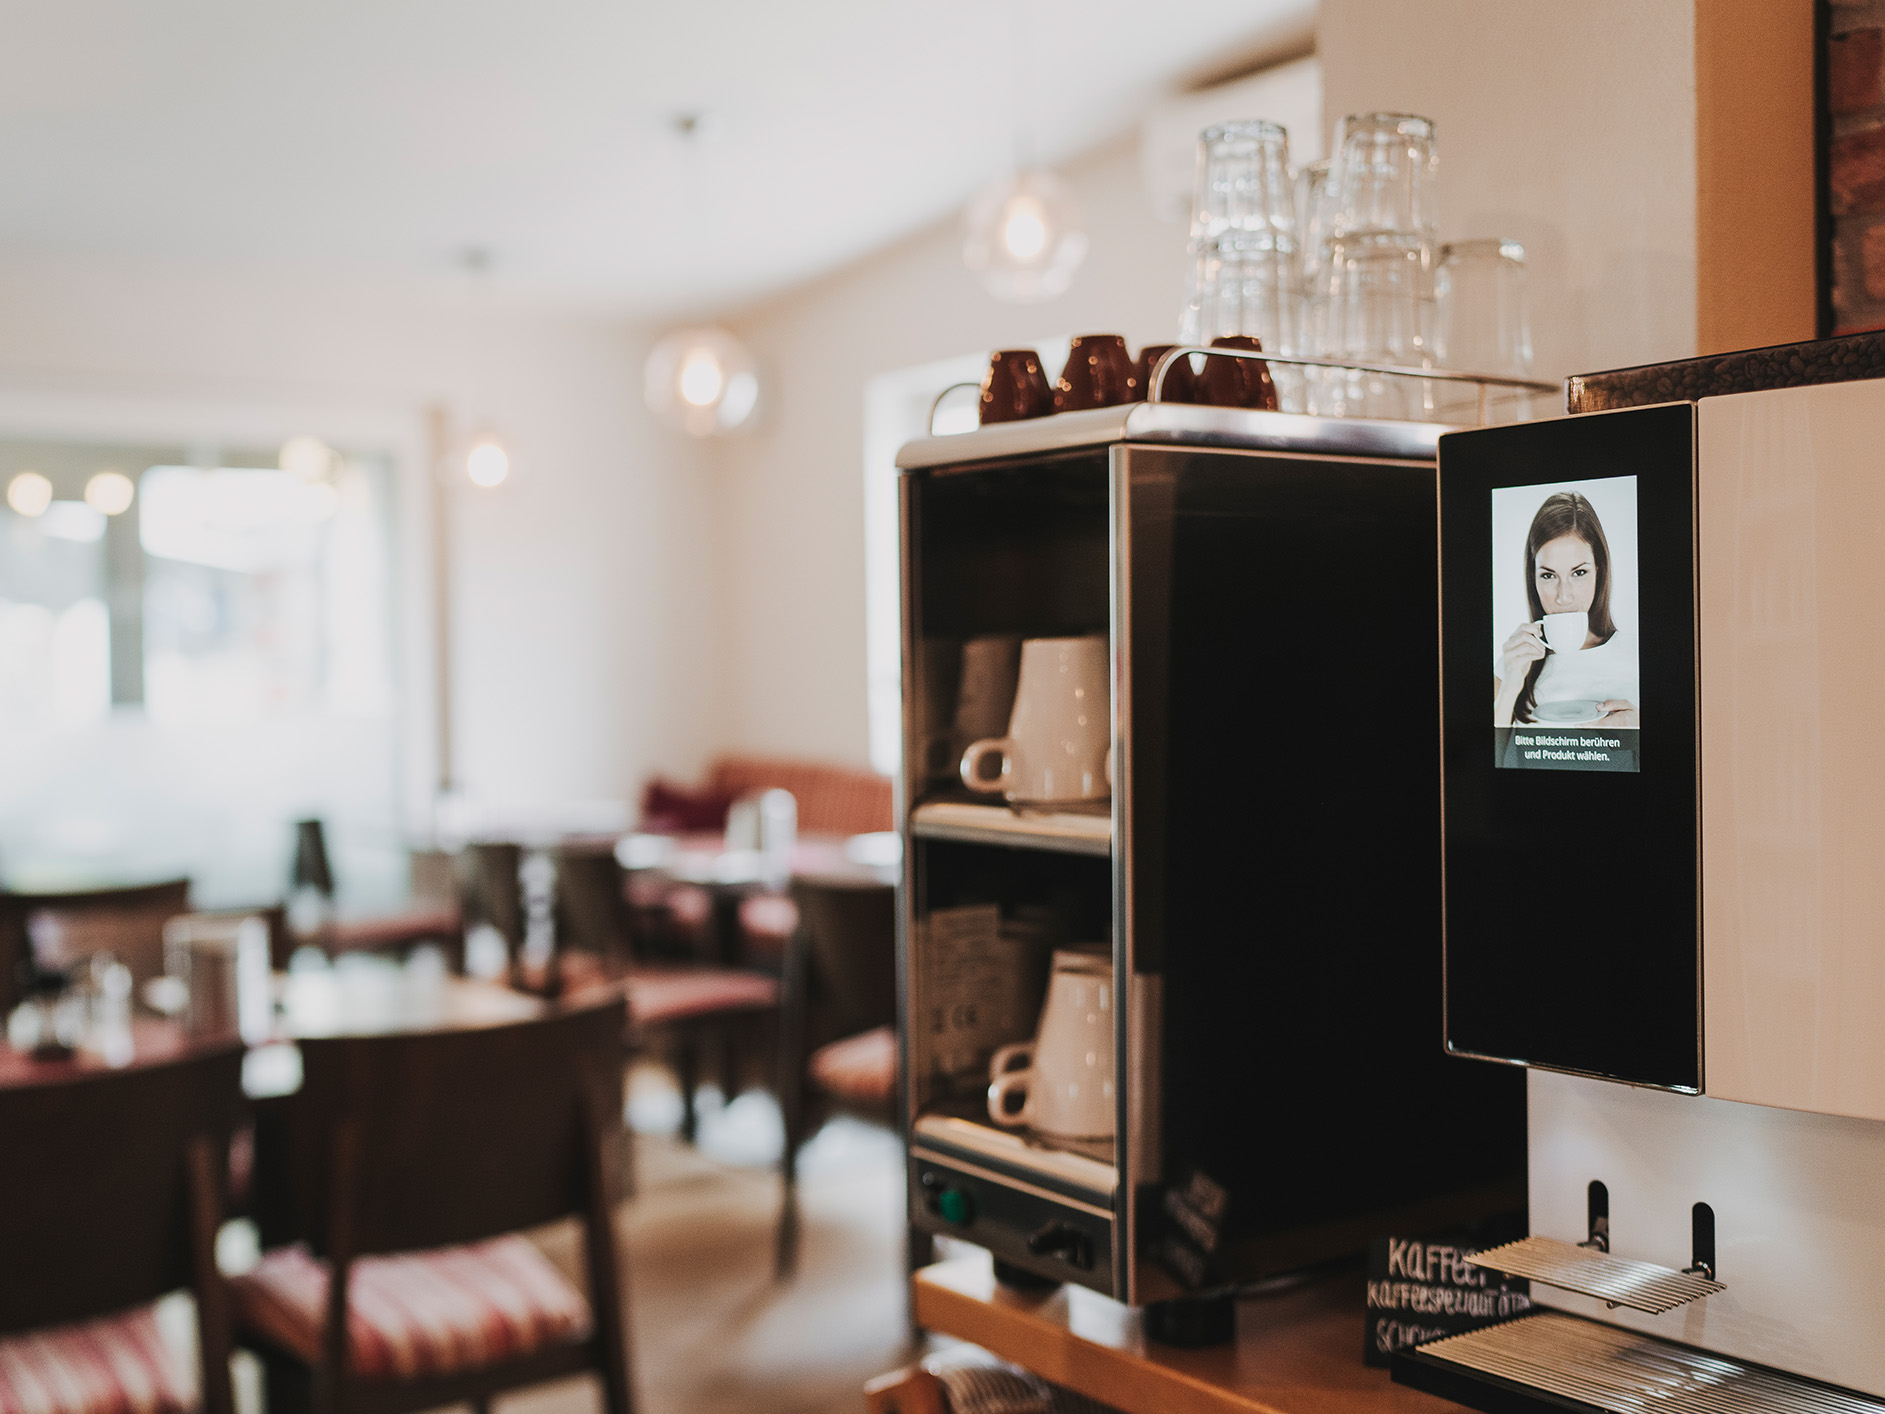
(1567, 571)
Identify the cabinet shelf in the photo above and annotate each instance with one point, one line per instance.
(1066, 832)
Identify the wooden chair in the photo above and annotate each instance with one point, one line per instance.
(685, 1010)
(62, 929)
(110, 1197)
(838, 1048)
(403, 1171)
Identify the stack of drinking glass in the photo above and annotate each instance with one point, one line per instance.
(1341, 262)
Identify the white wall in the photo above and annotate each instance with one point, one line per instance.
(1570, 128)
(586, 623)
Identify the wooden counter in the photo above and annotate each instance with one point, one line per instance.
(1298, 1350)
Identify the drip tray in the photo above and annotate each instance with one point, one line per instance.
(1553, 1362)
(1642, 1286)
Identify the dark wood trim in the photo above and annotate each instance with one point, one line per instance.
(608, 1299)
(1822, 168)
(206, 1165)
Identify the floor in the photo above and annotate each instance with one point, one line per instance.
(711, 1330)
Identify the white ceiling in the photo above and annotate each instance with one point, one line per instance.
(387, 137)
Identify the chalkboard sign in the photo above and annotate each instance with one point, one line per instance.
(1422, 1288)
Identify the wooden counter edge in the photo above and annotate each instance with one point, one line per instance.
(1123, 1378)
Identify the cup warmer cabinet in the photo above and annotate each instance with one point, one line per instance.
(1266, 871)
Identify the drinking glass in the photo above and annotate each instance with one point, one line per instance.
(1376, 285)
(1384, 176)
(1245, 272)
(1313, 212)
(1483, 325)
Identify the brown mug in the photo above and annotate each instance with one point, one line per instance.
(1238, 382)
(1181, 384)
(1098, 374)
(1014, 387)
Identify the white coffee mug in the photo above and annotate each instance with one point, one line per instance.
(1057, 742)
(1565, 633)
(1061, 1083)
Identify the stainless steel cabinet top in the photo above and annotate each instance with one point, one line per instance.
(1180, 423)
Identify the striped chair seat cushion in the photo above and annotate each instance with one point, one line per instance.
(118, 1365)
(860, 1070)
(438, 1312)
(668, 994)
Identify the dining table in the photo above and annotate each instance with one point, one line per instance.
(731, 875)
(356, 994)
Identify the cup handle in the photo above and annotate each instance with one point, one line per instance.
(1006, 1082)
(1017, 1055)
(973, 757)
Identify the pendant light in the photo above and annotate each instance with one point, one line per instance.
(486, 461)
(1024, 237)
(1023, 230)
(701, 381)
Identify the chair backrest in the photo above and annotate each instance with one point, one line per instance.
(849, 931)
(66, 928)
(451, 1136)
(591, 909)
(493, 892)
(93, 1190)
(832, 800)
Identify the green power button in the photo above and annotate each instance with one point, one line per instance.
(957, 1206)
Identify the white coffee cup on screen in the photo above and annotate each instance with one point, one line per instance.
(1565, 633)
(1061, 1083)
(1061, 731)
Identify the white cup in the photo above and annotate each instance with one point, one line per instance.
(1061, 1083)
(1057, 742)
(1565, 633)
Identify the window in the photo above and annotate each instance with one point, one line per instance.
(183, 678)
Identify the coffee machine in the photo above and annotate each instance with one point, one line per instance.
(1663, 891)
(1260, 875)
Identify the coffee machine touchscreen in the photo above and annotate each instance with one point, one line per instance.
(1567, 567)
(1567, 695)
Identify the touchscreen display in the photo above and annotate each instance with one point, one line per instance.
(1566, 691)
(1567, 567)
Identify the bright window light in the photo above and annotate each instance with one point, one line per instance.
(73, 520)
(234, 519)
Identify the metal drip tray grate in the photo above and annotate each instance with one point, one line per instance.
(1642, 1286)
(1621, 1372)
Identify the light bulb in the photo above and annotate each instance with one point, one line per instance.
(701, 380)
(1024, 237)
(487, 464)
(111, 492)
(29, 494)
(1025, 230)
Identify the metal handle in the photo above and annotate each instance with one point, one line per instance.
(930, 426)
(1482, 381)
